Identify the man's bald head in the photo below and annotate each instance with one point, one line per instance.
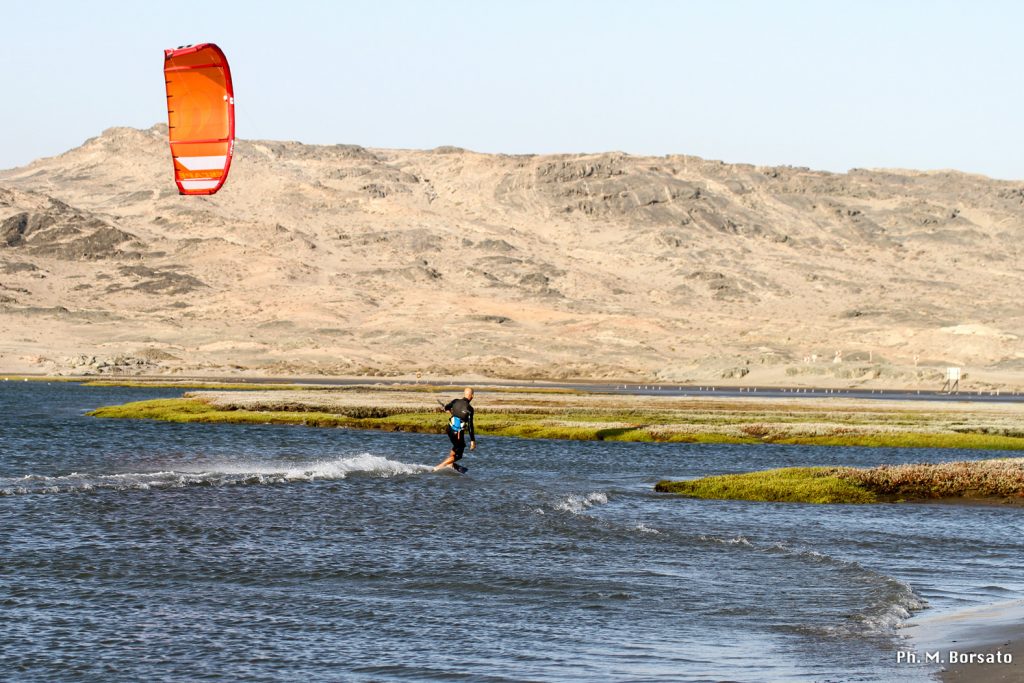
(468, 393)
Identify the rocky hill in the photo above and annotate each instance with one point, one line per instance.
(345, 260)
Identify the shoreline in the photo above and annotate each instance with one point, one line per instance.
(991, 631)
(629, 387)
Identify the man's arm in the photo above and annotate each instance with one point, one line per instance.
(472, 432)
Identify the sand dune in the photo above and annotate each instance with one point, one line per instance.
(343, 260)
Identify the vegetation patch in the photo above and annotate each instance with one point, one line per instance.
(195, 410)
(894, 439)
(1000, 480)
(787, 485)
(532, 414)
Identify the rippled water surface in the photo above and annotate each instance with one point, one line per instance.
(149, 551)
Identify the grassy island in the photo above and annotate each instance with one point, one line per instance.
(1000, 480)
(594, 416)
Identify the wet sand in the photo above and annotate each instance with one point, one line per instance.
(993, 634)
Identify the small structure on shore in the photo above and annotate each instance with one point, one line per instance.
(952, 380)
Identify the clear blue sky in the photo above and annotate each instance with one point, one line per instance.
(831, 85)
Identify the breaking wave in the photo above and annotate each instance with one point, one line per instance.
(578, 504)
(889, 601)
(220, 475)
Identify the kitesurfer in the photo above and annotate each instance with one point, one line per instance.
(459, 423)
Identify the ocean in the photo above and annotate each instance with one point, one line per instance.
(133, 550)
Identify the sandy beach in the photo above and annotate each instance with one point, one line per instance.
(992, 635)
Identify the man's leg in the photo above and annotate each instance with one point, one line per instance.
(458, 448)
(450, 460)
(447, 462)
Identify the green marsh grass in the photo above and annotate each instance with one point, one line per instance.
(524, 413)
(993, 480)
(787, 485)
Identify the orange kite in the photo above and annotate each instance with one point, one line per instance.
(200, 116)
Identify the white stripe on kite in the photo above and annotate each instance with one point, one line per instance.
(202, 163)
(199, 184)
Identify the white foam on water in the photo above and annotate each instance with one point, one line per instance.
(577, 505)
(737, 540)
(891, 604)
(891, 612)
(329, 469)
(218, 475)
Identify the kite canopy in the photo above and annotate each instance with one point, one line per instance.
(200, 116)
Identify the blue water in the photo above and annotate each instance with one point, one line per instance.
(149, 551)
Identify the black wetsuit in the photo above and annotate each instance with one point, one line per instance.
(461, 409)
